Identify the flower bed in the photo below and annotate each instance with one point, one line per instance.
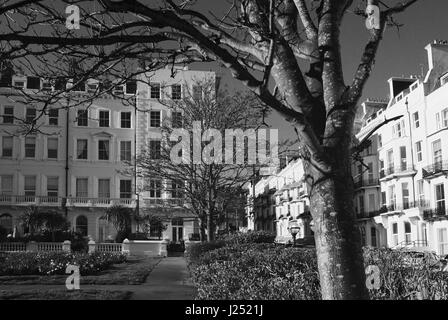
(51, 263)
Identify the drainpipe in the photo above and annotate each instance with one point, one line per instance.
(67, 127)
(137, 204)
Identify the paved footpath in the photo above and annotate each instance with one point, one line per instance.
(169, 280)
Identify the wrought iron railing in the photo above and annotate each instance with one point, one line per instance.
(435, 169)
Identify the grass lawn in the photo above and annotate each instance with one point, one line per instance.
(65, 295)
(132, 272)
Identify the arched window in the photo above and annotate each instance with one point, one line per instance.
(6, 222)
(81, 225)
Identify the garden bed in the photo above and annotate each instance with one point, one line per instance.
(132, 272)
(65, 295)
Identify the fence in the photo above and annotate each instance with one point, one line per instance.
(145, 248)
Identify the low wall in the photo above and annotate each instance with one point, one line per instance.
(149, 248)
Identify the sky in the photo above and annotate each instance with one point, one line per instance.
(401, 53)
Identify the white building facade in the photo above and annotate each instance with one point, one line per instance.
(412, 158)
(281, 199)
(76, 162)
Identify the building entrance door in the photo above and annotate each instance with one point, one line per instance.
(178, 230)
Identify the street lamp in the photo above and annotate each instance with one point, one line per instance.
(294, 229)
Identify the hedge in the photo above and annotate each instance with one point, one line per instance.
(230, 271)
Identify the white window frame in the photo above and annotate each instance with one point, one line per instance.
(109, 120)
(57, 148)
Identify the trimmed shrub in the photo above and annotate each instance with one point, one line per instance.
(196, 250)
(276, 272)
(50, 263)
(249, 237)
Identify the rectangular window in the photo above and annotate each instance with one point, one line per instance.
(82, 187)
(421, 192)
(373, 236)
(197, 92)
(7, 146)
(418, 151)
(361, 204)
(440, 198)
(30, 147)
(125, 119)
(403, 158)
(395, 233)
(445, 118)
(103, 150)
(383, 198)
(437, 152)
(155, 90)
(407, 232)
(390, 162)
(363, 235)
(52, 146)
(104, 118)
(103, 188)
(8, 114)
(125, 189)
(6, 185)
(442, 239)
(155, 188)
(176, 92)
(125, 151)
(83, 118)
(53, 116)
(370, 174)
(176, 119)
(52, 186)
(405, 195)
(30, 185)
(392, 197)
(154, 119)
(30, 115)
(154, 149)
(81, 149)
(416, 119)
(131, 87)
(372, 204)
(176, 189)
(380, 141)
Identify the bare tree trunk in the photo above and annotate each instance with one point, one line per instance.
(210, 226)
(339, 253)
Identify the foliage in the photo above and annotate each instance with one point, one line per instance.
(50, 263)
(153, 222)
(196, 250)
(43, 221)
(249, 237)
(121, 218)
(275, 272)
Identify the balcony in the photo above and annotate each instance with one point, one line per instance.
(22, 200)
(370, 182)
(434, 170)
(99, 202)
(160, 202)
(393, 172)
(435, 214)
(421, 204)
